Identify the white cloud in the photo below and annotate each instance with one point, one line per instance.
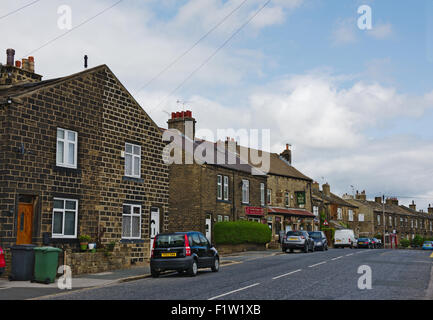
(381, 31)
(344, 32)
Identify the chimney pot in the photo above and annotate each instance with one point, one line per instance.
(18, 64)
(10, 53)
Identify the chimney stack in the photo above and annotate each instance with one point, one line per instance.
(287, 154)
(378, 199)
(413, 205)
(326, 189)
(184, 122)
(361, 196)
(315, 186)
(430, 209)
(10, 53)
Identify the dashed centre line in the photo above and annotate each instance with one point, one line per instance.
(286, 274)
(337, 258)
(317, 264)
(225, 294)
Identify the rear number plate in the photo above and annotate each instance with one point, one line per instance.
(171, 254)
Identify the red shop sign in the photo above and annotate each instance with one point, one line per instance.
(254, 211)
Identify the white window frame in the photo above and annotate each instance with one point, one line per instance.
(350, 215)
(132, 214)
(226, 194)
(219, 218)
(62, 235)
(245, 191)
(361, 217)
(339, 214)
(378, 220)
(316, 211)
(390, 221)
(219, 187)
(134, 158)
(226, 218)
(66, 142)
(269, 196)
(287, 199)
(262, 194)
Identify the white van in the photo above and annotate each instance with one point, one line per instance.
(344, 238)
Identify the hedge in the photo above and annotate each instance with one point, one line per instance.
(237, 232)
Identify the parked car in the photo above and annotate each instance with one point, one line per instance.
(2, 261)
(344, 238)
(365, 243)
(379, 243)
(427, 245)
(297, 240)
(319, 238)
(375, 242)
(182, 251)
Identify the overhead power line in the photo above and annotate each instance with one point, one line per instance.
(192, 47)
(74, 28)
(19, 9)
(214, 53)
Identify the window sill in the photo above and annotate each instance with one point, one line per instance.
(224, 201)
(67, 169)
(138, 180)
(132, 241)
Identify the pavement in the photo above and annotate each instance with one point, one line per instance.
(21, 290)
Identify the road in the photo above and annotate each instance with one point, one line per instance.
(333, 274)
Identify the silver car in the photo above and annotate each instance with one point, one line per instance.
(297, 240)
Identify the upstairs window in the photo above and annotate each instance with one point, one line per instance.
(350, 215)
(245, 191)
(269, 196)
(262, 194)
(66, 152)
(219, 187)
(361, 217)
(287, 199)
(132, 160)
(226, 188)
(339, 214)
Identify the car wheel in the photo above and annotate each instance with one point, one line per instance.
(291, 250)
(284, 250)
(192, 271)
(326, 248)
(216, 265)
(155, 274)
(306, 249)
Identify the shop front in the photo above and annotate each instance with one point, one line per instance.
(287, 219)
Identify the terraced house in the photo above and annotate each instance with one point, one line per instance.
(78, 156)
(222, 188)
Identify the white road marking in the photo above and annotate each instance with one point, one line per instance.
(350, 254)
(286, 274)
(317, 264)
(225, 294)
(337, 258)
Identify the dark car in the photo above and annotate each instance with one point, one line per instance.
(182, 251)
(297, 240)
(365, 243)
(375, 242)
(319, 238)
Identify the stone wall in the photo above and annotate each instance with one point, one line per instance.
(234, 248)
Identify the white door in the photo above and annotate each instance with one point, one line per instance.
(154, 225)
(208, 229)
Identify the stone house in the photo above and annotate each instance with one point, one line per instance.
(338, 213)
(399, 221)
(219, 188)
(78, 155)
(288, 196)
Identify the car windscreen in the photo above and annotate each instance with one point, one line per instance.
(170, 240)
(294, 233)
(315, 235)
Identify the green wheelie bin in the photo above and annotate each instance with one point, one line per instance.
(46, 262)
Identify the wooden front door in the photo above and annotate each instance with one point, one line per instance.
(24, 223)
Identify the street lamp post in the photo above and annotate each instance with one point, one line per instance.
(384, 221)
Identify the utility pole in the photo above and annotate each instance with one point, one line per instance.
(384, 221)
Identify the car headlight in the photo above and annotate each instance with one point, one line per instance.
(319, 243)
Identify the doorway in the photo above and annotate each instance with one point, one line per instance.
(154, 225)
(25, 220)
(209, 227)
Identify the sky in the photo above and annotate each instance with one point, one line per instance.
(355, 104)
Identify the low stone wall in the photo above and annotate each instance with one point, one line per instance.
(88, 262)
(233, 248)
